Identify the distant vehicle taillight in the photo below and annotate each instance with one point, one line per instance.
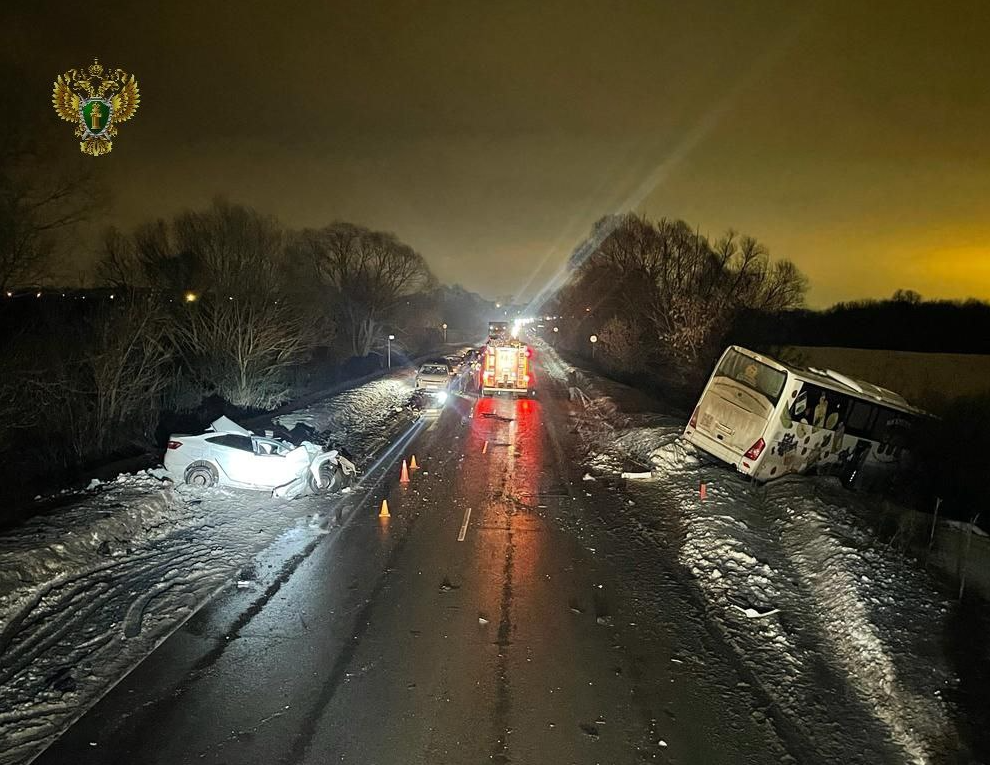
(174, 444)
(756, 450)
(694, 417)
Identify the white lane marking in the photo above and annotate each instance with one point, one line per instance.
(467, 520)
(433, 425)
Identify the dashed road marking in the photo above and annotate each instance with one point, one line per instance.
(464, 525)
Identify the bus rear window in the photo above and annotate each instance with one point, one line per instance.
(753, 374)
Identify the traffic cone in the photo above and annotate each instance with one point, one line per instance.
(404, 475)
(703, 491)
(484, 449)
(384, 511)
(412, 463)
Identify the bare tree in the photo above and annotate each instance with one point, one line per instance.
(621, 345)
(249, 319)
(41, 200)
(669, 276)
(369, 273)
(243, 346)
(96, 385)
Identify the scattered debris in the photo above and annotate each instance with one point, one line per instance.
(589, 730)
(752, 613)
(446, 586)
(642, 476)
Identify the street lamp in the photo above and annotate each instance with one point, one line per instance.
(390, 339)
(593, 339)
(444, 333)
(555, 331)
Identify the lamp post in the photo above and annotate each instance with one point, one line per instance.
(593, 339)
(555, 331)
(390, 339)
(444, 333)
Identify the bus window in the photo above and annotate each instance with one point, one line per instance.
(892, 427)
(753, 374)
(860, 418)
(819, 407)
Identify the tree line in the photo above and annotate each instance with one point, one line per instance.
(660, 298)
(903, 322)
(222, 304)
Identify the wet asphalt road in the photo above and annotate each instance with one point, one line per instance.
(471, 626)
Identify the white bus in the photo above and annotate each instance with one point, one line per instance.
(768, 419)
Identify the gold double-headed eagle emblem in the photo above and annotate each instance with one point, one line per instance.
(96, 103)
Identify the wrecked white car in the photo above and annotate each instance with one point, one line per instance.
(230, 455)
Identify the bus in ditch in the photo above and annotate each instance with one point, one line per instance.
(769, 419)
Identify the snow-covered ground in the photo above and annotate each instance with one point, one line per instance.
(841, 633)
(90, 589)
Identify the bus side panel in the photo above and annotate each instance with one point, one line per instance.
(811, 442)
(780, 437)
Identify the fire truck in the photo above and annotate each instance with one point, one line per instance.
(505, 367)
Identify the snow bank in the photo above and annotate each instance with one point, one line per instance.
(112, 520)
(840, 632)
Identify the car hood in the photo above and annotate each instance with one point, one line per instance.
(226, 425)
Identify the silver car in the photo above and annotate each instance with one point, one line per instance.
(434, 376)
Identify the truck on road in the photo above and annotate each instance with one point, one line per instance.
(505, 367)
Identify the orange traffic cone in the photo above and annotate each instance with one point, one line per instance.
(412, 463)
(384, 511)
(404, 475)
(703, 491)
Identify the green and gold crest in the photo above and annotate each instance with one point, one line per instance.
(96, 104)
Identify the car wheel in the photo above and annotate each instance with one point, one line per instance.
(201, 474)
(331, 480)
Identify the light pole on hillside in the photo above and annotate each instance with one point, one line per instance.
(444, 333)
(594, 340)
(390, 339)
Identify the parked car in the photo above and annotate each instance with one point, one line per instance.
(434, 376)
(230, 455)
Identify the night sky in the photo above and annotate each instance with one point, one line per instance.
(852, 139)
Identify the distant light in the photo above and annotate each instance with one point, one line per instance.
(230, 297)
(111, 296)
(10, 294)
(38, 295)
(555, 329)
(498, 305)
(587, 309)
(593, 338)
(190, 297)
(391, 337)
(444, 326)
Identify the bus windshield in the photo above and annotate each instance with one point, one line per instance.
(753, 374)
